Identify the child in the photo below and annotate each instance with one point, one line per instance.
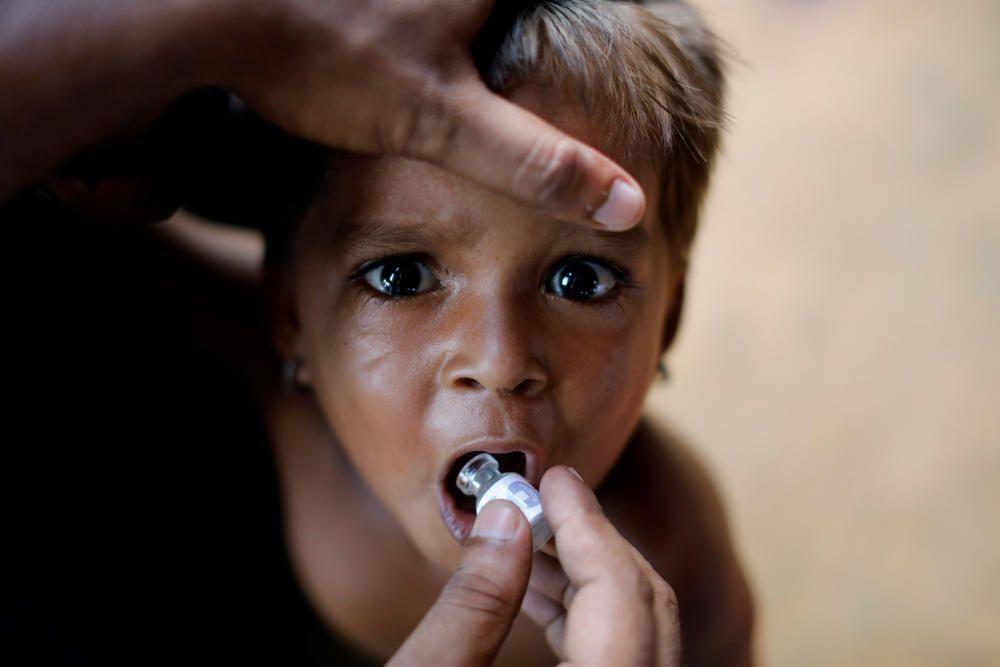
(424, 319)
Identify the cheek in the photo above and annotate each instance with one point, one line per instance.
(376, 375)
(606, 378)
(370, 381)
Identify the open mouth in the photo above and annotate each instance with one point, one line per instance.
(459, 510)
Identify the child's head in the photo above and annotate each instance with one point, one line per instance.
(437, 318)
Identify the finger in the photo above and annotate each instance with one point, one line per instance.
(550, 594)
(613, 617)
(503, 146)
(548, 615)
(589, 546)
(540, 608)
(548, 578)
(472, 616)
(550, 548)
(668, 621)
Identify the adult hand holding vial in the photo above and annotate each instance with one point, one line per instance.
(599, 601)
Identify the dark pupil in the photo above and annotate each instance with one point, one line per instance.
(400, 278)
(578, 281)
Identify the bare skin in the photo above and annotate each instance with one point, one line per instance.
(486, 345)
(661, 504)
(389, 77)
(658, 496)
(428, 105)
(676, 523)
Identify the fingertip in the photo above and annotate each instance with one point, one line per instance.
(565, 492)
(623, 208)
(500, 535)
(499, 520)
(516, 152)
(500, 547)
(564, 473)
(574, 181)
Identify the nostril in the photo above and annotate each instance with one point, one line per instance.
(468, 383)
(527, 387)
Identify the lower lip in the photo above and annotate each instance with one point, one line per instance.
(459, 522)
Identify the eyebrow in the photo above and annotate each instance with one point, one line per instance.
(628, 242)
(383, 235)
(375, 235)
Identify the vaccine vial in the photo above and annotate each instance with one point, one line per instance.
(481, 477)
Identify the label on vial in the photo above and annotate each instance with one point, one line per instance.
(516, 489)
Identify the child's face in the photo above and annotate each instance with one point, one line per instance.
(502, 330)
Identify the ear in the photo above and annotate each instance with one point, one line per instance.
(673, 321)
(279, 308)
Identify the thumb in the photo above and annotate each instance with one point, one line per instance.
(511, 150)
(474, 612)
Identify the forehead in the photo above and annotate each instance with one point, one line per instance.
(390, 204)
(368, 196)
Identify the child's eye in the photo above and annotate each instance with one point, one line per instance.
(583, 280)
(400, 276)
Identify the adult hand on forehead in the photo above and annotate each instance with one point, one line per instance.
(372, 76)
(600, 603)
(397, 77)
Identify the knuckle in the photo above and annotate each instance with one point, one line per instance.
(668, 599)
(472, 591)
(424, 128)
(552, 171)
(646, 591)
(638, 586)
(589, 525)
(568, 593)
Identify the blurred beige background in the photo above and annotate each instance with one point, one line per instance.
(838, 365)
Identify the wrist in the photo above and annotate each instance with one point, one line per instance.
(231, 40)
(200, 39)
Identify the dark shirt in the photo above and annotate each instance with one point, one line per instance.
(140, 512)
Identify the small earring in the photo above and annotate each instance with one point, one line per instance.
(662, 371)
(294, 375)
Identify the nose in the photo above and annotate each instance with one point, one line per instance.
(497, 348)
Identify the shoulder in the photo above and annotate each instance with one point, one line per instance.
(210, 277)
(662, 499)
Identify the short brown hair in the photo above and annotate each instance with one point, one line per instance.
(654, 77)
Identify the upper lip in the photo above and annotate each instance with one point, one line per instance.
(532, 452)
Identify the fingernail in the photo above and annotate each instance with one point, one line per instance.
(622, 207)
(497, 521)
(576, 474)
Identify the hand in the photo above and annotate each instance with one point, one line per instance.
(472, 616)
(397, 77)
(605, 605)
